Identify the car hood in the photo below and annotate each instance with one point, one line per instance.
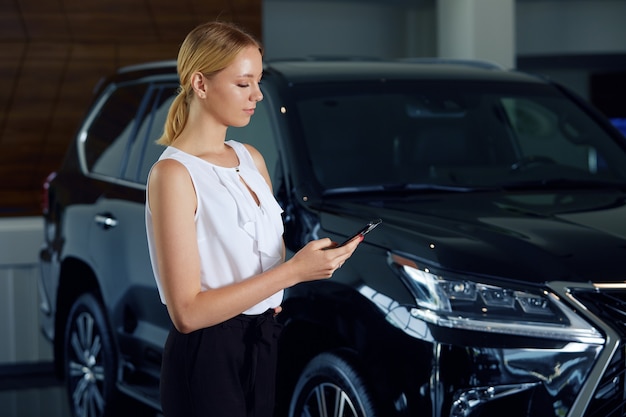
(531, 237)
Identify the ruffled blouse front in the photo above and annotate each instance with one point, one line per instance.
(237, 238)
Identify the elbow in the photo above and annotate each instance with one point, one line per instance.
(183, 327)
(187, 317)
(181, 322)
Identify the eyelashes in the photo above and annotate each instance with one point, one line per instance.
(245, 85)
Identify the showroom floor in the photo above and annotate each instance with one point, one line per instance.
(31, 390)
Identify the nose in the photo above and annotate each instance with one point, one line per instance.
(257, 95)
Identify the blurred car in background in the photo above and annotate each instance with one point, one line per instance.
(495, 282)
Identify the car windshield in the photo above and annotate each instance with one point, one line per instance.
(453, 135)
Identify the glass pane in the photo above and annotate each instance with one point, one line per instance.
(107, 136)
(399, 135)
(144, 151)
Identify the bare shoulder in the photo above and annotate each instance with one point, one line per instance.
(259, 161)
(168, 170)
(169, 176)
(170, 188)
(256, 155)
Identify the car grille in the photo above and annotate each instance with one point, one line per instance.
(609, 398)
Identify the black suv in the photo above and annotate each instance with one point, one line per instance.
(497, 280)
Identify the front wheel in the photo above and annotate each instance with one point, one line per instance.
(90, 362)
(331, 386)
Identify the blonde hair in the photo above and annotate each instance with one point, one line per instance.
(209, 48)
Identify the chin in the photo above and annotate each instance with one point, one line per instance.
(240, 123)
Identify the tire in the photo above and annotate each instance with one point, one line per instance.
(331, 386)
(90, 360)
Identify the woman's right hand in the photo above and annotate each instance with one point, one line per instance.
(319, 259)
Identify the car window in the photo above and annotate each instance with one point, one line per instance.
(346, 137)
(143, 149)
(540, 133)
(459, 134)
(106, 137)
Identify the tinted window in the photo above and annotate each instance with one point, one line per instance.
(107, 136)
(143, 149)
(391, 134)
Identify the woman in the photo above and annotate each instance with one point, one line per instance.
(215, 237)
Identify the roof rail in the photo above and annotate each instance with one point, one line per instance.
(321, 58)
(147, 65)
(476, 63)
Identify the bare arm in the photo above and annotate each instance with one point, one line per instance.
(172, 201)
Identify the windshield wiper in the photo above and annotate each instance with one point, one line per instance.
(403, 188)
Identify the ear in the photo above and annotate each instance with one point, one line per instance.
(198, 83)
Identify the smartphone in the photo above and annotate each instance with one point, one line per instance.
(368, 228)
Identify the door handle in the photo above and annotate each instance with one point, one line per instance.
(105, 220)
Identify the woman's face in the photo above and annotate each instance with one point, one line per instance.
(232, 94)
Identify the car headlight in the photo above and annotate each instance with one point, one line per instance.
(464, 302)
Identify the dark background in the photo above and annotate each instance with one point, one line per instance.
(53, 52)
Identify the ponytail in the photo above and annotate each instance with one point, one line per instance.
(176, 118)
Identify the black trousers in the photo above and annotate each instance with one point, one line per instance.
(227, 370)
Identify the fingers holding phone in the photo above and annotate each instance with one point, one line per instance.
(345, 250)
(320, 258)
(360, 234)
(353, 241)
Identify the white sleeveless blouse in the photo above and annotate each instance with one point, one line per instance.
(237, 238)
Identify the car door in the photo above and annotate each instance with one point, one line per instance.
(117, 240)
